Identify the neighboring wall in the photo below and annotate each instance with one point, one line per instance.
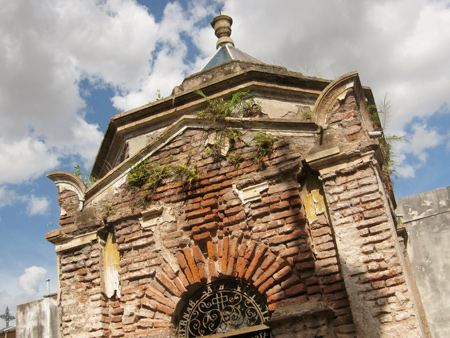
(426, 217)
(38, 319)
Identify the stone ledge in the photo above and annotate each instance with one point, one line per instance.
(297, 311)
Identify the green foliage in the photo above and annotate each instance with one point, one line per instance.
(108, 211)
(381, 118)
(147, 175)
(264, 143)
(219, 109)
(83, 175)
(235, 159)
(223, 139)
(307, 113)
(188, 174)
(232, 135)
(158, 95)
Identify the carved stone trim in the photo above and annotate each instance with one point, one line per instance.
(67, 181)
(77, 241)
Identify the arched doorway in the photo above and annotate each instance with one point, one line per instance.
(225, 308)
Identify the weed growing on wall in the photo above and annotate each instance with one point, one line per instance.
(224, 140)
(83, 176)
(148, 176)
(264, 145)
(380, 118)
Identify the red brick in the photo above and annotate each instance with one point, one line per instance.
(279, 275)
(266, 285)
(279, 206)
(286, 238)
(159, 298)
(255, 261)
(225, 244)
(334, 287)
(209, 203)
(233, 211)
(289, 252)
(256, 213)
(268, 261)
(305, 265)
(295, 203)
(295, 290)
(211, 268)
(268, 272)
(208, 226)
(313, 289)
(231, 256)
(276, 297)
(395, 281)
(198, 213)
(204, 236)
(250, 248)
(241, 264)
(303, 256)
(211, 250)
(192, 266)
(179, 282)
(336, 296)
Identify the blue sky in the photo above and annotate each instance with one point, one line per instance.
(68, 66)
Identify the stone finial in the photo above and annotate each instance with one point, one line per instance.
(222, 29)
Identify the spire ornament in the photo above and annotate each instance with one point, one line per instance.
(222, 28)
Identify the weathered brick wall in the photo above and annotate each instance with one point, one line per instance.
(206, 233)
(83, 305)
(322, 250)
(369, 253)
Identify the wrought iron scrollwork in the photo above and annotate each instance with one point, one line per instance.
(220, 307)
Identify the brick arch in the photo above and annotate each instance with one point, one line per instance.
(254, 262)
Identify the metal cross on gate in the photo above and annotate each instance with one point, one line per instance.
(7, 317)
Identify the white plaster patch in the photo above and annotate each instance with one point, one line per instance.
(151, 217)
(251, 193)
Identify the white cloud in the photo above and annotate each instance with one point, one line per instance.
(25, 159)
(31, 281)
(9, 197)
(398, 47)
(413, 153)
(46, 49)
(169, 62)
(38, 205)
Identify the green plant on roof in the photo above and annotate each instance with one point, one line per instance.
(219, 109)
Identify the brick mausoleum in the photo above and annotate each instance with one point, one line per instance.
(267, 216)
